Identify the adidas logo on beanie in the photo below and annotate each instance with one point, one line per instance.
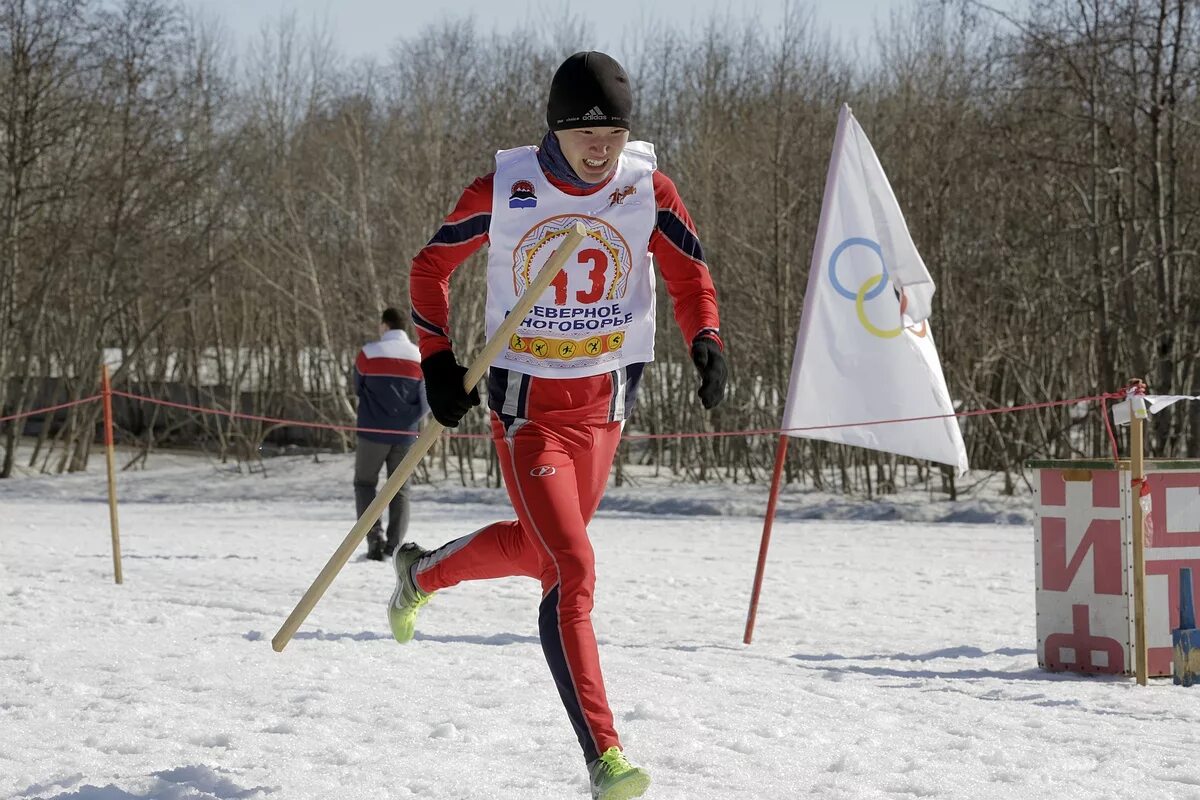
(589, 89)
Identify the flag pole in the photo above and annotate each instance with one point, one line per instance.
(780, 458)
(781, 451)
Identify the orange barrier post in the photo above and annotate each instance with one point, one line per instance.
(106, 396)
(780, 456)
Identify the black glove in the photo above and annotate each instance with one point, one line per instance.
(448, 400)
(710, 363)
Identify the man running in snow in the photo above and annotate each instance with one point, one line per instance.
(560, 393)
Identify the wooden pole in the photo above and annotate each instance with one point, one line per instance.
(780, 457)
(1137, 413)
(110, 458)
(420, 447)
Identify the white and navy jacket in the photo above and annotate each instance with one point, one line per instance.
(391, 392)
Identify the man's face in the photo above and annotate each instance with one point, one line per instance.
(593, 152)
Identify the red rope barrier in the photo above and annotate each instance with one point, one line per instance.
(644, 436)
(257, 417)
(58, 407)
(1102, 398)
(976, 413)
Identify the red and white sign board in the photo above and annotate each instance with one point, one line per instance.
(1084, 562)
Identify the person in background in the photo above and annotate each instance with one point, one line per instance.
(391, 397)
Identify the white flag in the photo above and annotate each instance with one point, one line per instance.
(865, 349)
(1154, 403)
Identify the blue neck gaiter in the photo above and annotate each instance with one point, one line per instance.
(554, 163)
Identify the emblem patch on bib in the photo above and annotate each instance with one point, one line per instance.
(522, 195)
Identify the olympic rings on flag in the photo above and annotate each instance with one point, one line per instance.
(842, 290)
(870, 289)
(859, 306)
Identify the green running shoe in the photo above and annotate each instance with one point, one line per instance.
(614, 778)
(407, 599)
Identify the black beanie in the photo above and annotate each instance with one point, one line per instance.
(589, 90)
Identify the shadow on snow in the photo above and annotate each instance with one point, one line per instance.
(181, 783)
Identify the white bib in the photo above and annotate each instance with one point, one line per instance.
(598, 315)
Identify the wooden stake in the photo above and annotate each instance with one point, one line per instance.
(780, 456)
(110, 458)
(1137, 480)
(420, 447)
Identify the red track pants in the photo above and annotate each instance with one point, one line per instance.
(555, 475)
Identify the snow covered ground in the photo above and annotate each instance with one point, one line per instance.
(894, 655)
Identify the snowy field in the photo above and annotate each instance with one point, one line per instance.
(894, 655)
